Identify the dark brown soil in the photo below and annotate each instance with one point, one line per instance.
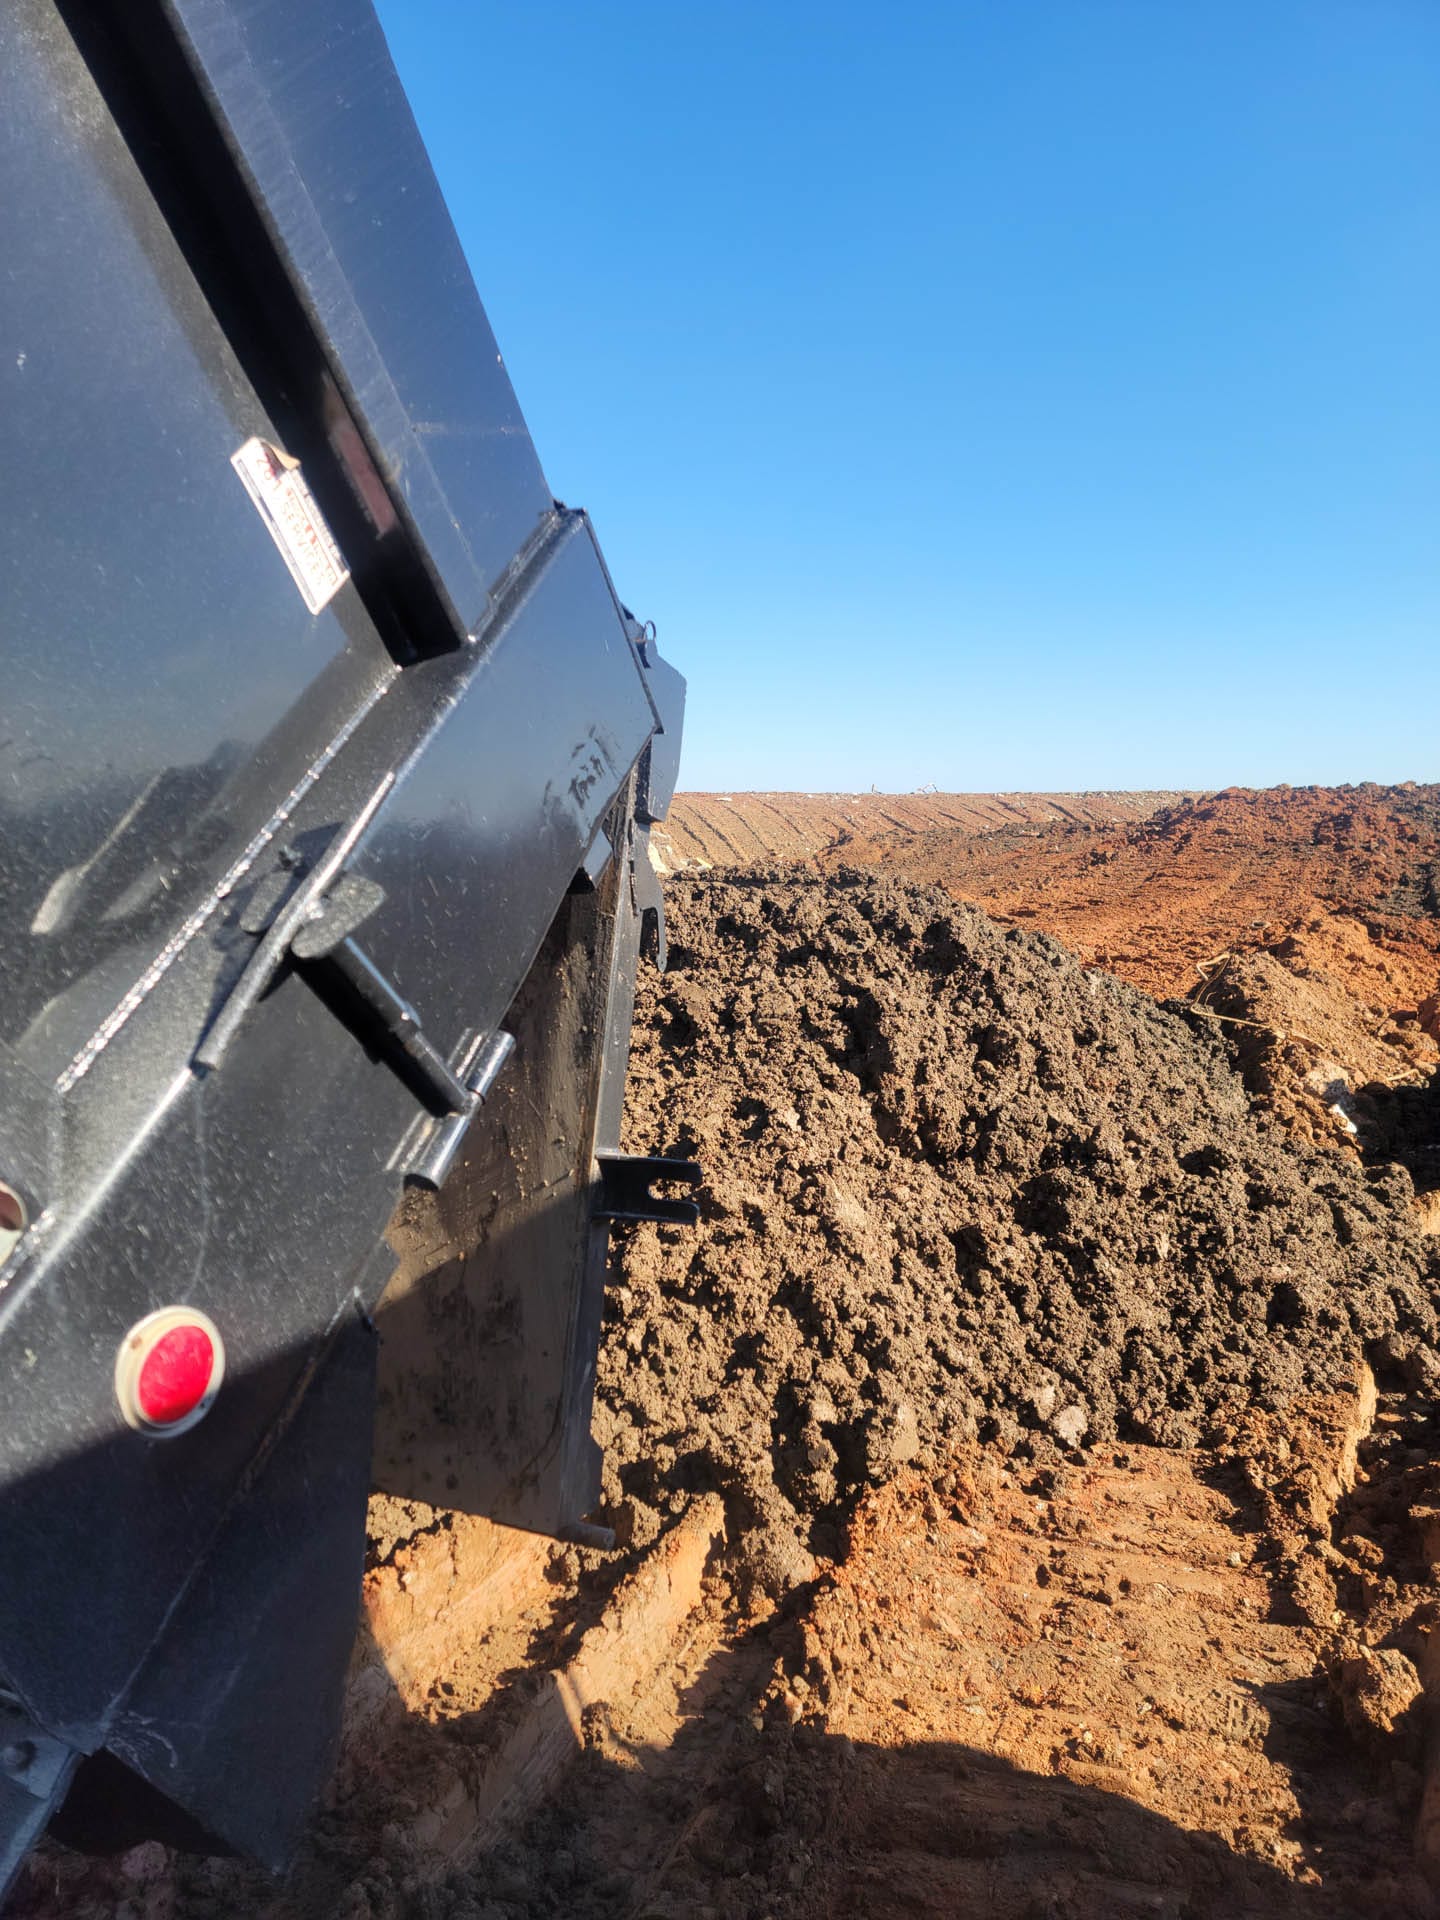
(958, 1186)
(1303, 918)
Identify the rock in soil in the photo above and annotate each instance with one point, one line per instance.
(1378, 1692)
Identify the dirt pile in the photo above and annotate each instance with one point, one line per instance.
(1313, 1032)
(958, 1187)
(1155, 899)
(1307, 917)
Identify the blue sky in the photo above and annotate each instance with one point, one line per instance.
(1003, 394)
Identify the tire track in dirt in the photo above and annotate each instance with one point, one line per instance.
(702, 827)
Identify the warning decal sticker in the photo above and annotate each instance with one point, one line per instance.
(275, 483)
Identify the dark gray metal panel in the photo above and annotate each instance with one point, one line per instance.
(244, 1688)
(183, 746)
(319, 121)
(489, 1330)
(257, 1191)
(153, 638)
(102, 1538)
(485, 835)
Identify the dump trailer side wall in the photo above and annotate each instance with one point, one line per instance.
(318, 707)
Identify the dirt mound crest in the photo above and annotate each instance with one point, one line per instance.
(958, 1185)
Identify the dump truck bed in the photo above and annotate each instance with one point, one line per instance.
(328, 759)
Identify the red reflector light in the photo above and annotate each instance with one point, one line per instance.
(169, 1369)
(176, 1374)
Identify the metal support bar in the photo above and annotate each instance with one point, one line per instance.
(438, 1155)
(625, 1183)
(580, 1533)
(401, 1023)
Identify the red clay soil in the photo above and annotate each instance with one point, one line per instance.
(1141, 1682)
(1153, 900)
(1146, 1683)
(1085, 1693)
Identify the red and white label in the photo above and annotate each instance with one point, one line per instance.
(275, 483)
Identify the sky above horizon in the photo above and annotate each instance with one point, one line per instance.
(1040, 395)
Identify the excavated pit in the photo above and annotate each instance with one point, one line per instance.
(957, 1186)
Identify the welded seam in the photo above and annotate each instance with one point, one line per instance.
(188, 929)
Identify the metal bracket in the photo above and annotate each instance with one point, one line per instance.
(35, 1771)
(30, 1757)
(625, 1183)
(325, 942)
(345, 908)
(282, 922)
(649, 902)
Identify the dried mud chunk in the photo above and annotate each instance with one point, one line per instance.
(846, 1218)
(892, 1437)
(1378, 1692)
(1043, 1400)
(807, 1471)
(1310, 1584)
(771, 1559)
(634, 1523)
(1070, 1424)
